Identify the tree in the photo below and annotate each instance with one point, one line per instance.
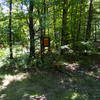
(64, 34)
(54, 23)
(10, 30)
(79, 23)
(31, 29)
(88, 30)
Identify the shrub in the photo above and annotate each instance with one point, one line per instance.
(82, 47)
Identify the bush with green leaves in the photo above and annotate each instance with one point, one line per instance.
(82, 47)
(46, 61)
(2, 53)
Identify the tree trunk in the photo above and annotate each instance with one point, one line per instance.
(79, 24)
(31, 30)
(10, 30)
(41, 33)
(54, 25)
(48, 18)
(95, 37)
(64, 34)
(44, 4)
(88, 30)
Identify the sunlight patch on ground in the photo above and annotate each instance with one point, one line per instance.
(91, 73)
(33, 97)
(9, 78)
(75, 95)
(70, 66)
(2, 96)
(38, 97)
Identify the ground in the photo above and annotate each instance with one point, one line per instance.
(52, 84)
(49, 86)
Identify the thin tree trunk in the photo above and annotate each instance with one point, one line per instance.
(10, 30)
(64, 34)
(31, 30)
(71, 24)
(88, 30)
(54, 25)
(75, 23)
(44, 4)
(95, 38)
(48, 17)
(41, 33)
(79, 25)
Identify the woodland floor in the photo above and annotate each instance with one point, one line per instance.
(49, 86)
(52, 85)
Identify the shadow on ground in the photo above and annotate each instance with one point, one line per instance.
(52, 86)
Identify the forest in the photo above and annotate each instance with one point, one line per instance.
(49, 50)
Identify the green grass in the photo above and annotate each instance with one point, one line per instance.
(52, 86)
(45, 85)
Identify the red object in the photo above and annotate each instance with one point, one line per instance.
(2, 45)
(46, 41)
